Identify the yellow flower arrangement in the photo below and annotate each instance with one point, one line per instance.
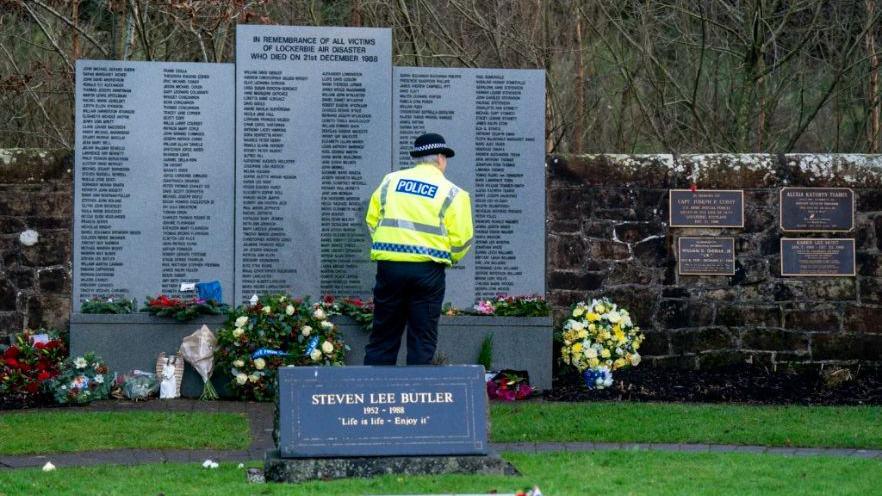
(600, 335)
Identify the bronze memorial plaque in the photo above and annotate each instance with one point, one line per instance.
(817, 257)
(706, 256)
(816, 209)
(706, 208)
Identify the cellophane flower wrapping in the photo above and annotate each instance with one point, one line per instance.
(597, 377)
(198, 350)
(139, 385)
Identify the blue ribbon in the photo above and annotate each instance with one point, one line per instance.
(265, 352)
(313, 343)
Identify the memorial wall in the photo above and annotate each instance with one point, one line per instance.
(731, 264)
(169, 193)
(313, 141)
(153, 178)
(771, 260)
(607, 235)
(494, 120)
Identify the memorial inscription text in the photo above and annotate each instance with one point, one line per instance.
(355, 411)
(817, 209)
(706, 208)
(817, 257)
(152, 192)
(706, 256)
(314, 140)
(493, 121)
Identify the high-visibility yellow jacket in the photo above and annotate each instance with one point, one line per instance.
(418, 215)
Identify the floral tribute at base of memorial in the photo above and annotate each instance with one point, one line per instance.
(509, 385)
(274, 332)
(82, 380)
(198, 350)
(361, 311)
(503, 306)
(108, 306)
(26, 366)
(183, 310)
(137, 385)
(599, 338)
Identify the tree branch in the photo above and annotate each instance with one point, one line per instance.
(71, 24)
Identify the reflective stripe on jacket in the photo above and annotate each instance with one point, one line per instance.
(417, 215)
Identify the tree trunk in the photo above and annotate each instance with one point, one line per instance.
(75, 35)
(542, 8)
(578, 84)
(873, 84)
(355, 14)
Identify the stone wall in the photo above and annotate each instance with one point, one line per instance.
(35, 283)
(608, 235)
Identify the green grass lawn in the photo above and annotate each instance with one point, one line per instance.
(620, 472)
(65, 430)
(834, 427)
(841, 427)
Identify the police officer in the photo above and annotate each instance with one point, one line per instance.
(420, 223)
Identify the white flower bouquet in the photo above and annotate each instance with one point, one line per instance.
(599, 338)
(82, 380)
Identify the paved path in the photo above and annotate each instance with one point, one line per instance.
(260, 417)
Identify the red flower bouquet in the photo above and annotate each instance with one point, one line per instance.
(183, 309)
(509, 386)
(359, 310)
(27, 365)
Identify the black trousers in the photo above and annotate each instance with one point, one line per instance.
(411, 294)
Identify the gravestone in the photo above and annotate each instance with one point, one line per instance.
(816, 209)
(153, 183)
(336, 422)
(706, 208)
(495, 121)
(312, 143)
(820, 257)
(374, 411)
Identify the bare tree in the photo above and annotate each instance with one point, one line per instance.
(621, 75)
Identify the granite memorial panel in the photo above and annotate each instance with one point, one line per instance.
(382, 411)
(817, 257)
(495, 121)
(312, 141)
(153, 182)
(705, 256)
(706, 208)
(816, 209)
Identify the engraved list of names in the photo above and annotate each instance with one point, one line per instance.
(154, 177)
(494, 120)
(312, 141)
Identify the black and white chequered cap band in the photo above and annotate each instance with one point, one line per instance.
(430, 146)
